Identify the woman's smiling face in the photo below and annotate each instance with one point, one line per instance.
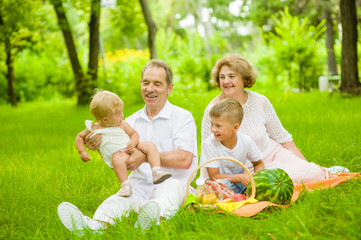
(230, 82)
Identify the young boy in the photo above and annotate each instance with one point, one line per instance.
(226, 117)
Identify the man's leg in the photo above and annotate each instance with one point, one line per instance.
(166, 200)
(115, 207)
(74, 220)
(112, 208)
(170, 195)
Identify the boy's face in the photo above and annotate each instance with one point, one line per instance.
(223, 129)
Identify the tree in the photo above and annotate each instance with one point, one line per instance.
(330, 39)
(349, 72)
(94, 41)
(152, 28)
(84, 84)
(18, 28)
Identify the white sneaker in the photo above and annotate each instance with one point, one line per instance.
(337, 169)
(74, 220)
(148, 215)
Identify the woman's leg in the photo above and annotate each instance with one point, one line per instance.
(298, 169)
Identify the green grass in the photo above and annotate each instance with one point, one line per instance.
(39, 168)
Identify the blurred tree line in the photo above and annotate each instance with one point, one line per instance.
(66, 48)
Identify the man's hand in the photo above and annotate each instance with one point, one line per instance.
(94, 142)
(85, 157)
(130, 147)
(136, 159)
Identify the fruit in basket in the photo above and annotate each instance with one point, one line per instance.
(209, 198)
(199, 198)
(273, 185)
(238, 197)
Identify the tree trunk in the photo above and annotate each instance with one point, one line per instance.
(152, 28)
(10, 72)
(330, 42)
(80, 80)
(349, 73)
(93, 46)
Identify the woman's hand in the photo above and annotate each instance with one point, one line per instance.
(94, 142)
(292, 147)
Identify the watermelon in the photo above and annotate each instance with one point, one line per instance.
(273, 185)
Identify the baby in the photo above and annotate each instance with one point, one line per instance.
(119, 140)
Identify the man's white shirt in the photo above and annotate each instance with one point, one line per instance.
(173, 128)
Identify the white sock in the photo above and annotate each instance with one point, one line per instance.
(155, 169)
(126, 182)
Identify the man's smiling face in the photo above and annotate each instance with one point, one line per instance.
(154, 88)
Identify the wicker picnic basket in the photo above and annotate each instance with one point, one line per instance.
(251, 180)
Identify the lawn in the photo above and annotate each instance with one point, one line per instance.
(40, 168)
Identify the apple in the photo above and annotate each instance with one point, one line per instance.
(238, 197)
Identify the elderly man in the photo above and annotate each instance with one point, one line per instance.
(173, 131)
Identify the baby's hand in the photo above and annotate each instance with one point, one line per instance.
(85, 157)
(130, 147)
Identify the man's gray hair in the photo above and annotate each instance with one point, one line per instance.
(160, 64)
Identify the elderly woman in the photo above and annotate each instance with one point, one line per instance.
(232, 75)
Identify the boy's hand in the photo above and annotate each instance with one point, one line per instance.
(243, 178)
(85, 157)
(130, 147)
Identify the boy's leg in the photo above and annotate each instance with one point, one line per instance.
(119, 160)
(153, 156)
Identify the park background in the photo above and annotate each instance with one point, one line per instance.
(54, 53)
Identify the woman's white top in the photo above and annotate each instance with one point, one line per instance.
(260, 122)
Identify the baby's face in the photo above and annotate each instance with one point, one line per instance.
(222, 128)
(115, 119)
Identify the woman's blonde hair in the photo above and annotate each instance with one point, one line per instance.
(104, 103)
(228, 108)
(238, 64)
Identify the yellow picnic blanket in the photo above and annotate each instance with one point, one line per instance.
(251, 206)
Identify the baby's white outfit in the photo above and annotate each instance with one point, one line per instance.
(114, 139)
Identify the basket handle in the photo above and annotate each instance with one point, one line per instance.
(229, 159)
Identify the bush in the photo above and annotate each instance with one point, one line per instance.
(295, 45)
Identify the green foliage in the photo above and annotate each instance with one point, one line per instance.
(122, 74)
(124, 26)
(295, 45)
